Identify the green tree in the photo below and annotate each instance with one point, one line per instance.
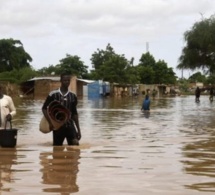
(170, 77)
(210, 80)
(113, 67)
(199, 51)
(146, 68)
(152, 72)
(147, 60)
(12, 55)
(18, 76)
(47, 71)
(163, 74)
(183, 85)
(72, 64)
(101, 56)
(197, 77)
(146, 74)
(133, 75)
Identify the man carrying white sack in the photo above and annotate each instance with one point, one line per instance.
(7, 109)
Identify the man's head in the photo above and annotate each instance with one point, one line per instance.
(65, 79)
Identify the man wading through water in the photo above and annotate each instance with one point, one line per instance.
(69, 100)
(7, 109)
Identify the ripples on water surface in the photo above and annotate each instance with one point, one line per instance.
(169, 151)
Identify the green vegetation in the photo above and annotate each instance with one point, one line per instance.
(199, 50)
(71, 64)
(13, 55)
(108, 65)
(113, 67)
(198, 53)
(152, 72)
(18, 76)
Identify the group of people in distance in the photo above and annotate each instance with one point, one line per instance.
(146, 101)
(198, 93)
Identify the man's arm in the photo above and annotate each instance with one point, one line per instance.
(76, 120)
(12, 109)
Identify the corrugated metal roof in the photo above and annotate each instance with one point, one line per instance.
(86, 81)
(45, 78)
(58, 79)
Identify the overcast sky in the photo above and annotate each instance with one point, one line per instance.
(50, 29)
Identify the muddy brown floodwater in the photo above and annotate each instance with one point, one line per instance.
(169, 151)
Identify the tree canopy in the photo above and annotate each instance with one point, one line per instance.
(72, 64)
(199, 51)
(112, 67)
(12, 55)
(197, 77)
(108, 66)
(152, 72)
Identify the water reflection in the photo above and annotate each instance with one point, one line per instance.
(200, 162)
(7, 159)
(122, 151)
(146, 114)
(60, 169)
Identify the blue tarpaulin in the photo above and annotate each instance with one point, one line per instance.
(98, 89)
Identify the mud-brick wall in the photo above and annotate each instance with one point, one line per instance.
(43, 87)
(54, 85)
(73, 84)
(80, 86)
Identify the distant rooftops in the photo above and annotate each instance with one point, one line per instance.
(58, 79)
(45, 78)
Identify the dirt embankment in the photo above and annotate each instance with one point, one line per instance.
(10, 89)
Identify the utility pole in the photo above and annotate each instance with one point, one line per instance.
(147, 47)
(182, 71)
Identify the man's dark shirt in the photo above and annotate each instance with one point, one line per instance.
(69, 100)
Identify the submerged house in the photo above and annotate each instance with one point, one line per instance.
(82, 87)
(161, 89)
(39, 87)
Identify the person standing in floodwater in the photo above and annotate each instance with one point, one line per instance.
(198, 93)
(7, 109)
(70, 130)
(211, 94)
(146, 104)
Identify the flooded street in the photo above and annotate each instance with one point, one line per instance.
(170, 151)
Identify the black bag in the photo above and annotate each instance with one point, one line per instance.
(8, 137)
